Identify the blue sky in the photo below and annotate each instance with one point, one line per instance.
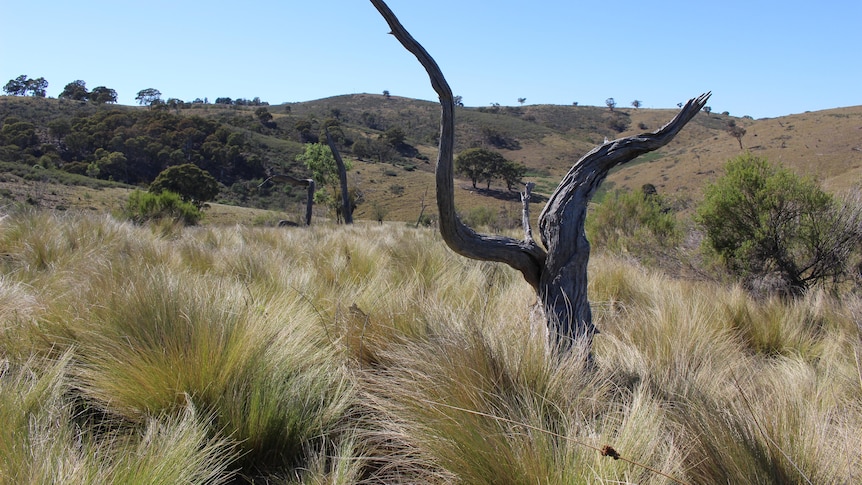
(761, 58)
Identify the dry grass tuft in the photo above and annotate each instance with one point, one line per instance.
(372, 354)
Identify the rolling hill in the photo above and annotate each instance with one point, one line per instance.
(547, 139)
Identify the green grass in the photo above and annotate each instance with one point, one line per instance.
(373, 354)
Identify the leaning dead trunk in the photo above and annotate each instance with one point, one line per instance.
(346, 206)
(558, 272)
(307, 183)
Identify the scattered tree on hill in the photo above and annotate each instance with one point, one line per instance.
(148, 96)
(479, 164)
(76, 91)
(522, 100)
(766, 224)
(21, 85)
(707, 109)
(386, 93)
(103, 95)
(17, 86)
(611, 103)
(558, 272)
(306, 131)
(38, 87)
(174, 104)
(374, 149)
(189, 181)
(637, 104)
(512, 174)
(264, 116)
(736, 131)
(394, 137)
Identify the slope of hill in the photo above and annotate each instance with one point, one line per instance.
(546, 139)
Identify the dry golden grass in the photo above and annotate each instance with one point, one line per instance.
(373, 354)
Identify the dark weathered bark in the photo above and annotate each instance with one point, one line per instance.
(346, 206)
(525, 211)
(559, 275)
(563, 282)
(307, 183)
(527, 258)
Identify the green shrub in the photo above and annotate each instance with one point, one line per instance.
(396, 189)
(769, 226)
(145, 206)
(626, 221)
(188, 181)
(480, 216)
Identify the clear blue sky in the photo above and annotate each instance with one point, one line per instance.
(761, 58)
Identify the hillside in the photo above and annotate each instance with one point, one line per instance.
(546, 139)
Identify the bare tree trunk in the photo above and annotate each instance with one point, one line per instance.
(309, 201)
(563, 283)
(525, 211)
(308, 183)
(422, 207)
(558, 274)
(346, 207)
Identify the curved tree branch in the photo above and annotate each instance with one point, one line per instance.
(525, 256)
(559, 275)
(590, 171)
(563, 281)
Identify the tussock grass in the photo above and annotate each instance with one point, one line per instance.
(373, 354)
(43, 441)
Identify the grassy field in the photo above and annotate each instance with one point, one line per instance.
(373, 354)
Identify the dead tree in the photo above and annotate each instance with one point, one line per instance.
(307, 183)
(558, 272)
(346, 206)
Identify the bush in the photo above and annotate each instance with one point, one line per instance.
(480, 216)
(626, 221)
(146, 206)
(496, 221)
(619, 123)
(765, 223)
(189, 182)
(396, 189)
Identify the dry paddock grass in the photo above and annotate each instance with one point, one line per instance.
(373, 354)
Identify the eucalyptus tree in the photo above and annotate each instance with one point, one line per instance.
(102, 95)
(75, 90)
(21, 85)
(148, 96)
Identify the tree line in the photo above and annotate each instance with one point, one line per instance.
(76, 90)
(131, 146)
